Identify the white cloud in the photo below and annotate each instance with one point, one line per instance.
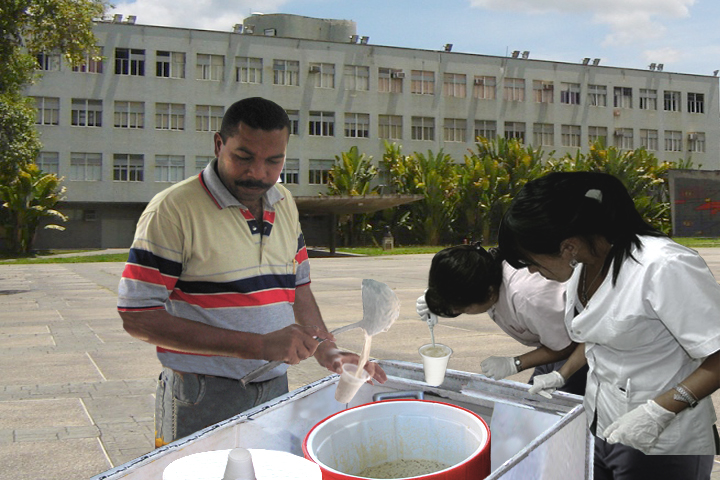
(665, 55)
(630, 21)
(201, 14)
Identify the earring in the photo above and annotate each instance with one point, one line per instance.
(574, 263)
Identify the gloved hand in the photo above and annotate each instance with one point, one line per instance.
(499, 367)
(421, 307)
(641, 427)
(546, 384)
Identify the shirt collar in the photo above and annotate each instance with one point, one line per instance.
(221, 195)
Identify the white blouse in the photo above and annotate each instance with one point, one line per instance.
(531, 309)
(646, 333)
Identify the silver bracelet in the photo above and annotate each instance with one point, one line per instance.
(685, 395)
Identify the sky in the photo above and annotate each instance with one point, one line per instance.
(680, 34)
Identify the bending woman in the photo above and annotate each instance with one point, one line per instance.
(468, 279)
(647, 310)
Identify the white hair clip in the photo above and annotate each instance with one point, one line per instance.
(595, 194)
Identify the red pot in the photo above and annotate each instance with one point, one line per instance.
(348, 442)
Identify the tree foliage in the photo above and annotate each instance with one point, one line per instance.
(29, 198)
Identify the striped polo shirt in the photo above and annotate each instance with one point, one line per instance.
(201, 255)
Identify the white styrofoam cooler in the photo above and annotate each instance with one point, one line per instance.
(532, 437)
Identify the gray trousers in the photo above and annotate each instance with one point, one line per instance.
(188, 402)
(620, 462)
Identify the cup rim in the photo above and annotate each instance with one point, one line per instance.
(436, 344)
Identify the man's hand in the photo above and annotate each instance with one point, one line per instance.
(293, 343)
(332, 358)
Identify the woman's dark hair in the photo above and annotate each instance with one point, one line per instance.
(561, 205)
(461, 276)
(255, 112)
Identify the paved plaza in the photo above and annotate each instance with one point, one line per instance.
(77, 392)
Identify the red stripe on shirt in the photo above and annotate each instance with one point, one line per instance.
(148, 275)
(227, 300)
(301, 255)
(207, 190)
(269, 217)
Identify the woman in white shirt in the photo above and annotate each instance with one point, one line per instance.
(647, 311)
(469, 279)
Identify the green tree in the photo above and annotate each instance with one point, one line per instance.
(641, 172)
(30, 198)
(352, 174)
(435, 177)
(29, 28)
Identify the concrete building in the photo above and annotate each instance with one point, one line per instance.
(126, 127)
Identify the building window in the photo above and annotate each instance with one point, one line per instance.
(597, 134)
(49, 62)
(484, 88)
(514, 89)
(129, 114)
(210, 67)
(543, 134)
(570, 135)
(390, 127)
(673, 141)
(208, 118)
(422, 82)
(169, 168)
(248, 69)
(455, 85)
(48, 162)
(570, 93)
(422, 128)
(202, 161)
(92, 63)
(322, 124)
(357, 125)
(86, 112)
(170, 64)
(357, 77)
(170, 116)
(286, 72)
(696, 142)
(543, 92)
(597, 95)
(671, 101)
(390, 80)
(624, 138)
(622, 97)
(128, 167)
(696, 102)
(291, 171)
(130, 61)
(486, 129)
(319, 171)
(47, 110)
(649, 139)
(294, 116)
(323, 75)
(455, 130)
(648, 99)
(85, 167)
(515, 130)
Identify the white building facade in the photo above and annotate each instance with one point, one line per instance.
(124, 128)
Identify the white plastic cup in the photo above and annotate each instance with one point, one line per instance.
(349, 384)
(239, 465)
(435, 360)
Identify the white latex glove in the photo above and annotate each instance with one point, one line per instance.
(421, 307)
(499, 367)
(641, 427)
(546, 384)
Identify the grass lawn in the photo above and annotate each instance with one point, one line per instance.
(87, 257)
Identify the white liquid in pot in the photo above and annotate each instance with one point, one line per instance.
(403, 469)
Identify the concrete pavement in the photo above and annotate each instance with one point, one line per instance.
(77, 392)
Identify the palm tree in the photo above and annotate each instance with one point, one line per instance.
(29, 198)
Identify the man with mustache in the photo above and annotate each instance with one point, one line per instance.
(218, 279)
